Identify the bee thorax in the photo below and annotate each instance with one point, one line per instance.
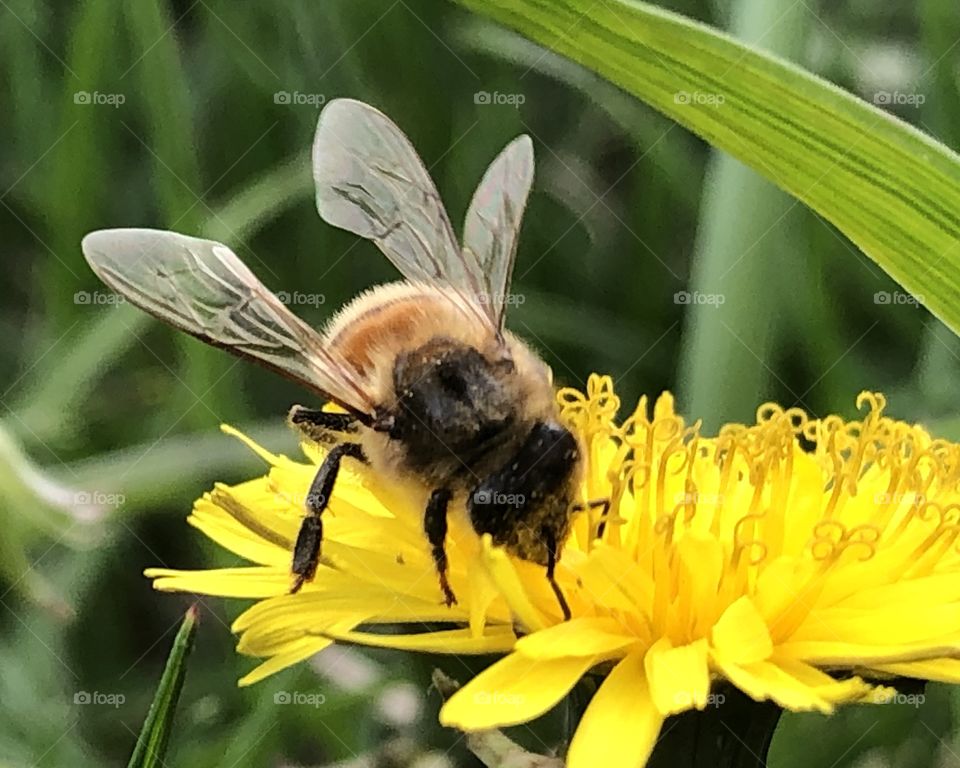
(453, 410)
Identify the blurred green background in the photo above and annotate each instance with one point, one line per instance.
(643, 255)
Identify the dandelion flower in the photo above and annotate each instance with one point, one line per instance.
(801, 559)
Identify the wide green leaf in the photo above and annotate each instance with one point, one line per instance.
(891, 189)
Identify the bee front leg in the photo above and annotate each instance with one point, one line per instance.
(435, 526)
(321, 426)
(306, 552)
(553, 556)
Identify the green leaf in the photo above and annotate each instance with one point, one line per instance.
(152, 743)
(739, 326)
(169, 144)
(891, 189)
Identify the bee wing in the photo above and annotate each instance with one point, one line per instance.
(493, 219)
(202, 287)
(370, 181)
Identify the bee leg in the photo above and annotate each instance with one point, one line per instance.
(321, 426)
(306, 552)
(593, 504)
(553, 556)
(435, 526)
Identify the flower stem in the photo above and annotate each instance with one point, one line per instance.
(734, 732)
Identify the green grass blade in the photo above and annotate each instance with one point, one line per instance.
(152, 743)
(891, 189)
(737, 332)
(169, 145)
(267, 196)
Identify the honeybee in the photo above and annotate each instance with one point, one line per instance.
(430, 383)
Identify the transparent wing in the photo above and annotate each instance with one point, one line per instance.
(492, 224)
(370, 181)
(202, 287)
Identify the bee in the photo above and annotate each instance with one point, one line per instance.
(430, 384)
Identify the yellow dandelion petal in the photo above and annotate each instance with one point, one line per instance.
(741, 635)
(621, 724)
(236, 522)
(482, 592)
(830, 653)
(940, 670)
(678, 678)
(503, 573)
(452, 641)
(577, 637)
(763, 680)
(296, 652)
(513, 690)
(223, 582)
